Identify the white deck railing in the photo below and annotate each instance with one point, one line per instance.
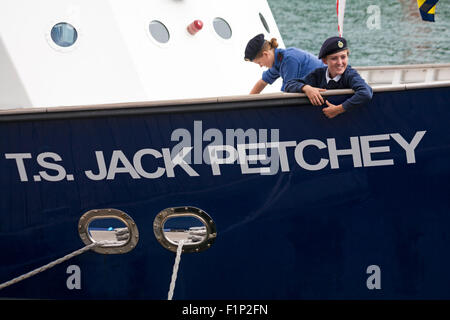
(394, 75)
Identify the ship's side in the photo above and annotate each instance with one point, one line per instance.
(118, 106)
(351, 207)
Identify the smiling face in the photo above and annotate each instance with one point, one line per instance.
(266, 59)
(337, 62)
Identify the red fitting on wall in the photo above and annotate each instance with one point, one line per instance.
(195, 27)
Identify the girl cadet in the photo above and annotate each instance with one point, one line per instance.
(290, 63)
(336, 75)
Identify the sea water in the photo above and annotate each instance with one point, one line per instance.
(379, 32)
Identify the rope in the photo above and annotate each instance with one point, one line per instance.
(54, 263)
(175, 270)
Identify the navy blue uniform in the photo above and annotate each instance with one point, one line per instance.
(350, 79)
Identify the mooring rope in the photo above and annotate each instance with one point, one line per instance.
(87, 248)
(54, 263)
(175, 269)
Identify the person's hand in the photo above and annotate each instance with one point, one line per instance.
(332, 110)
(314, 95)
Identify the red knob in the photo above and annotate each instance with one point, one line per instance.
(195, 27)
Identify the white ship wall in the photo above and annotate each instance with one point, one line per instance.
(115, 59)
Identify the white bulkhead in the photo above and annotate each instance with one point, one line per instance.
(115, 58)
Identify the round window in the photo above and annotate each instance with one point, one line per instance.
(264, 22)
(64, 34)
(159, 31)
(222, 28)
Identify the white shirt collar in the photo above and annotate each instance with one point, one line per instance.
(327, 77)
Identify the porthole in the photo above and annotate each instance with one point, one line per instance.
(222, 28)
(264, 22)
(114, 227)
(159, 31)
(192, 225)
(64, 34)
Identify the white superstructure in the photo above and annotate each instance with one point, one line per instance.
(115, 57)
(57, 53)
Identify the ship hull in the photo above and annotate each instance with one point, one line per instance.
(373, 225)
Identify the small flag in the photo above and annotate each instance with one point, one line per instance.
(427, 9)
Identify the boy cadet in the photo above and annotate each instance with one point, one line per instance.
(336, 75)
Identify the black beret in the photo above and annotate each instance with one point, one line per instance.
(254, 46)
(332, 45)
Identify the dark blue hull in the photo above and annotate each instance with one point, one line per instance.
(309, 231)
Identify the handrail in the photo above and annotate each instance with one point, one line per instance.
(404, 67)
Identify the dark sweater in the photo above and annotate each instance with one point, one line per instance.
(350, 79)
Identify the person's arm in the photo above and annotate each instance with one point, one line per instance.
(363, 92)
(294, 85)
(307, 85)
(332, 110)
(297, 84)
(313, 94)
(258, 87)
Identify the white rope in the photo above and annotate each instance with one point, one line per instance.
(175, 270)
(54, 263)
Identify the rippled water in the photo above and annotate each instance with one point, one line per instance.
(401, 37)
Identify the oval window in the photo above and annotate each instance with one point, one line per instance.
(64, 34)
(113, 230)
(159, 31)
(222, 28)
(191, 225)
(264, 22)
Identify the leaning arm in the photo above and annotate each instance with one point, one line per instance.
(297, 84)
(258, 87)
(363, 92)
